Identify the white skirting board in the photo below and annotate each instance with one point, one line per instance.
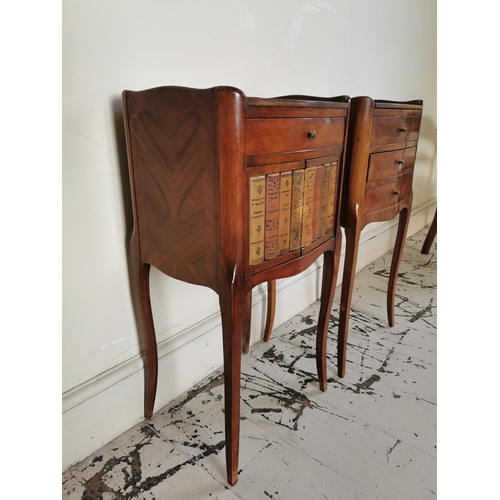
(99, 410)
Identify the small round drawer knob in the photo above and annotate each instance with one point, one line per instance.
(312, 134)
(395, 192)
(401, 162)
(402, 130)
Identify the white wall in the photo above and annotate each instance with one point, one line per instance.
(384, 49)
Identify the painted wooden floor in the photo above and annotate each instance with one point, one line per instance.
(372, 435)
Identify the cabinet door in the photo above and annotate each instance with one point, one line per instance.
(323, 201)
(292, 209)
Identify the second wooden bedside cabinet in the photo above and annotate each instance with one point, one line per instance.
(380, 156)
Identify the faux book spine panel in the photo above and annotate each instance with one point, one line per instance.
(290, 210)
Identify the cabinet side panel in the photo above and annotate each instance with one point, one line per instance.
(172, 149)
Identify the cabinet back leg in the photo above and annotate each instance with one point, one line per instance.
(431, 235)
(247, 322)
(271, 309)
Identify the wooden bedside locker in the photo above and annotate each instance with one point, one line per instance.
(380, 156)
(228, 192)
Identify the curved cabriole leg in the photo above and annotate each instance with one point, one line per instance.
(247, 322)
(351, 256)
(271, 309)
(330, 271)
(404, 220)
(429, 239)
(232, 304)
(140, 285)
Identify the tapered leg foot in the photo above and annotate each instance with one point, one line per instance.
(404, 219)
(351, 256)
(232, 304)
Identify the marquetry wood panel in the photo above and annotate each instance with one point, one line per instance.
(174, 166)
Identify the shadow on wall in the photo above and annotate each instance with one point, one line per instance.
(428, 138)
(121, 147)
(429, 135)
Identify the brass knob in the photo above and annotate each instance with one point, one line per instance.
(395, 192)
(402, 130)
(311, 135)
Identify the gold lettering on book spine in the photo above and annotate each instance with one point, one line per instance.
(307, 209)
(316, 214)
(257, 218)
(285, 211)
(332, 187)
(324, 200)
(296, 209)
(272, 215)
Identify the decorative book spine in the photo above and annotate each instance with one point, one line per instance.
(272, 215)
(324, 200)
(296, 210)
(316, 217)
(307, 209)
(257, 218)
(285, 206)
(332, 185)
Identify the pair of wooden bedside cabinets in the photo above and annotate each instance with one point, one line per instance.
(231, 191)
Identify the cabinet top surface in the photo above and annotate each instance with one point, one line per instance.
(381, 104)
(300, 102)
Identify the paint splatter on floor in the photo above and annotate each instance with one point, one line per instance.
(372, 435)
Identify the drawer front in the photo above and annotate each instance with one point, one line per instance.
(386, 167)
(395, 129)
(412, 124)
(381, 197)
(279, 135)
(409, 159)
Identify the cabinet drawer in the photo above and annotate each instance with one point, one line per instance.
(385, 196)
(279, 135)
(395, 129)
(386, 167)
